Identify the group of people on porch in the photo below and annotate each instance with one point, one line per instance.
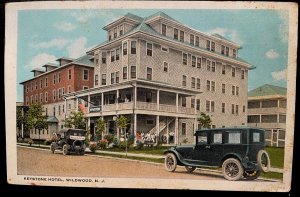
(152, 137)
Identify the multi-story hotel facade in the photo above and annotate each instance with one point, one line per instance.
(48, 86)
(267, 110)
(161, 74)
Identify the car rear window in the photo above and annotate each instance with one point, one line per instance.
(233, 137)
(256, 136)
(217, 138)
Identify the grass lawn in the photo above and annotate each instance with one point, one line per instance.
(276, 156)
(272, 175)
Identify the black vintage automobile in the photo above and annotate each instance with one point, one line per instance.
(239, 151)
(69, 141)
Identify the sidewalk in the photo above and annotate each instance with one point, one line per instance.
(143, 155)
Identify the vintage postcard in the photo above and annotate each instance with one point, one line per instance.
(151, 94)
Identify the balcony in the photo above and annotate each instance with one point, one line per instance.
(267, 125)
(271, 110)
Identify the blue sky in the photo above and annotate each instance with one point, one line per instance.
(45, 35)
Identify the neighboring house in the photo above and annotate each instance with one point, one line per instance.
(161, 74)
(21, 129)
(49, 86)
(267, 109)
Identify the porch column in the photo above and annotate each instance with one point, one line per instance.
(102, 102)
(167, 121)
(117, 101)
(76, 107)
(157, 129)
(134, 96)
(195, 125)
(88, 126)
(278, 103)
(89, 104)
(177, 102)
(134, 125)
(157, 100)
(176, 131)
(195, 105)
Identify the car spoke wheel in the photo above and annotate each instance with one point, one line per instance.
(190, 169)
(52, 149)
(65, 150)
(232, 169)
(263, 161)
(251, 174)
(170, 162)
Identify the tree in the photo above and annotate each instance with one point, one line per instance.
(20, 119)
(204, 120)
(122, 122)
(76, 120)
(35, 118)
(101, 125)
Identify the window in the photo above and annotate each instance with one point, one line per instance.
(269, 118)
(223, 107)
(59, 78)
(124, 72)
(193, 61)
(233, 90)
(149, 122)
(69, 74)
(117, 77)
(232, 108)
(54, 78)
(63, 108)
(217, 138)
(166, 67)
(208, 85)
(212, 106)
(103, 82)
(243, 74)
(112, 56)
(133, 47)
(207, 44)
(54, 111)
(227, 51)
(163, 29)
(70, 105)
(223, 50)
(183, 101)
(233, 72)
(59, 93)
(175, 34)
(125, 48)
(183, 80)
(27, 100)
(63, 91)
(234, 137)
(85, 87)
(54, 94)
(213, 66)
(103, 57)
(207, 106)
(32, 86)
(46, 82)
(223, 69)
(198, 62)
(202, 138)
(112, 78)
(198, 104)
(234, 53)
(121, 30)
(41, 84)
(181, 36)
(149, 49)
(223, 88)
(192, 103)
(165, 49)
(133, 72)
(184, 58)
(117, 54)
(198, 83)
(244, 108)
(96, 80)
(115, 32)
(149, 73)
(148, 96)
(36, 85)
(59, 110)
(85, 74)
(193, 82)
(212, 46)
(183, 129)
(109, 35)
(69, 88)
(208, 65)
(213, 84)
(204, 62)
(27, 89)
(41, 97)
(192, 39)
(36, 98)
(197, 41)
(237, 91)
(236, 109)
(46, 97)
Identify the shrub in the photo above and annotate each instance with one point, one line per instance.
(93, 147)
(139, 145)
(109, 138)
(122, 145)
(48, 141)
(102, 144)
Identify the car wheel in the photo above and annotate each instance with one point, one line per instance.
(190, 169)
(52, 149)
(65, 150)
(170, 162)
(263, 161)
(251, 174)
(232, 169)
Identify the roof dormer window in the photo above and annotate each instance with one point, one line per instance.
(163, 29)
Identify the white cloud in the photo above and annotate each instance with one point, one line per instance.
(58, 43)
(284, 26)
(272, 54)
(40, 59)
(83, 16)
(231, 34)
(77, 48)
(279, 75)
(65, 26)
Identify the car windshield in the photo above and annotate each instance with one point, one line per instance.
(77, 133)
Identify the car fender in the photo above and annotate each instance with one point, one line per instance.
(180, 160)
(233, 155)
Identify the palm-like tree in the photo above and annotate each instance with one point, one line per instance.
(204, 120)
